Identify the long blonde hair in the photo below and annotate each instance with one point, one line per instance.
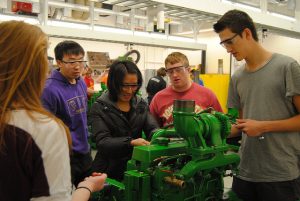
(23, 71)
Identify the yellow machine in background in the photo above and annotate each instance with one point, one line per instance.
(219, 84)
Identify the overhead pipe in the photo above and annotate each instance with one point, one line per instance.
(161, 17)
(150, 19)
(86, 9)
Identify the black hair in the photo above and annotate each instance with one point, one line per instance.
(236, 21)
(116, 75)
(67, 47)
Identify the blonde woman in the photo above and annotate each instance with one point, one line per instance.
(34, 144)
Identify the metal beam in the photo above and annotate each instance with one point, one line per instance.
(134, 3)
(92, 35)
(117, 2)
(217, 7)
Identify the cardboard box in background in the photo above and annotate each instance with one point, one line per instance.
(98, 60)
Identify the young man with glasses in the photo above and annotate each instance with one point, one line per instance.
(65, 95)
(182, 87)
(266, 92)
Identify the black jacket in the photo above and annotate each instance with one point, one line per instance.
(114, 132)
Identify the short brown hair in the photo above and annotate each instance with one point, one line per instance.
(236, 21)
(176, 57)
(161, 72)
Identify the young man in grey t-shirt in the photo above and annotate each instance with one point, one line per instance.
(266, 91)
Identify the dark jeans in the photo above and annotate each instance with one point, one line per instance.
(267, 191)
(80, 167)
(234, 140)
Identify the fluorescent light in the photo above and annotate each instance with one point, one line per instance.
(185, 33)
(28, 20)
(247, 7)
(174, 22)
(141, 33)
(67, 24)
(282, 16)
(68, 5)
(112, 30)
(191, 32)
(163, 36)
(241, 5)
(181, 39)
(141, 17)
(227, 1)
(157, 35)
(150, 35)
(206, 30)
(111, 12)
(96, 10)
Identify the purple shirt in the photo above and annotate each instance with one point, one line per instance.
(68, 102)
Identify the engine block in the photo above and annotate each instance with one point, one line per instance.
(186, 161)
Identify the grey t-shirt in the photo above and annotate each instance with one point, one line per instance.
(266, 94)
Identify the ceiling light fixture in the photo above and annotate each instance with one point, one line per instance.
(67, 24)
(200, 31)
(150, 35)
(241, 5)
(181, 39)
(282, 16)
(113, 30)
(28, 20)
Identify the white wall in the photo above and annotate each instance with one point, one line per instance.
(273, 42)
(153, 57)
(114, 49)
(214, 52)
(283, 45)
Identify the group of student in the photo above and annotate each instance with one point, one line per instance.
(43, 127)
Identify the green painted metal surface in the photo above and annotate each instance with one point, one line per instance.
(186, 162)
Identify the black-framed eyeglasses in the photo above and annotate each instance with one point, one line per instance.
(77, 62)
(177, 69)
(228, 42)
(133, 87)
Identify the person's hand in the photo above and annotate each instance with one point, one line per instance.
(235, 132)
(139, 142)
(95, 182)
(250, 127)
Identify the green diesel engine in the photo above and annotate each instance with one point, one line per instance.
(185, 162)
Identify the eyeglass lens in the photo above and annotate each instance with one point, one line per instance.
(130, 86)
(73, 63)
(228, 41)
(177, 69)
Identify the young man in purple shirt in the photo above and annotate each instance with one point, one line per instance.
(65, 95)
